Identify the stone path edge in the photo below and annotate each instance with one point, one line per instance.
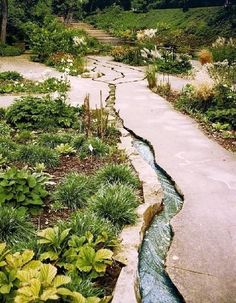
(128, 287)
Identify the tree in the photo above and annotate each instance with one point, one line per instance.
(4, 17)
(68, 8)
(140, 5)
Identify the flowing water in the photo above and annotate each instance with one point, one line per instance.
(156, 286)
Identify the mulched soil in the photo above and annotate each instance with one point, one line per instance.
(227, 143)
(108, 281)
(49, 217)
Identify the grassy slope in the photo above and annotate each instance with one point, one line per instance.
(204, 23)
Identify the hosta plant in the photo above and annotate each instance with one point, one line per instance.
(19, 187)
(65, 149)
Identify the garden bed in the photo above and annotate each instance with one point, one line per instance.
(61, 174)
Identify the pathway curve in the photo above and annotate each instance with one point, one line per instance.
(202, 258)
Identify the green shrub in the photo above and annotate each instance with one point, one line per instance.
(174, 65)
(41, 113)
(128, 55)
(9, 50)
(24, 136)
(33, 154)
(224, 49)
(117, 173)
(14, 225)
(78, 141)
(9, 75)
(21, 188)
(53, 140)
(52, 37)
(74, 190)
(5, 129)
(116, 203)
(8, 147)
(223, 116)
(84, 221)
(95, 147)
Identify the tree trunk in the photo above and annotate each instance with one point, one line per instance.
(4, 20)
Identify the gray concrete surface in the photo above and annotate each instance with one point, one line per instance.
(37, 72)
(202, 258)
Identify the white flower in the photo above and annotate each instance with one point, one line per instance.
(91, 148)
(79, 41)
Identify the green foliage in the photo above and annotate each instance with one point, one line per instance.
(22, 86)
(93, 147)
(23, 279)
(140, 5)
(9, 75)
(224, 49)
(21, 188)
(8, 147)
(41, 113)
(52, 37)
(65, 149)
(127, 54)
(223, 116)
(91, 261)
(174, 65)
(218, 105)
(82, 221)
(52, 140)
(53, 242)
(151, 76)
(33, 154)
(78, 141)
(5, 129)
(74, 190)
(14, 225)
(116, 203)
(192, 29)
(117, 173)
(8, 50)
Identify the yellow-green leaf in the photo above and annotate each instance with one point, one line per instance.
(61, 280)
(47, 274)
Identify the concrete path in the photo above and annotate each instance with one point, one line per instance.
(38, 72)
(202, 258)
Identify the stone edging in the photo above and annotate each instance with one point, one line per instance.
(127, 288)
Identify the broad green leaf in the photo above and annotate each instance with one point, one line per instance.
(47, 274)
(49, 294)
(61, 280)
(51, 255)
(103, 254)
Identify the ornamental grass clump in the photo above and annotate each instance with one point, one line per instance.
(85, 220)
(116, 203)
(117, 173)
(33, 154)
(14, 225)
(74, 190)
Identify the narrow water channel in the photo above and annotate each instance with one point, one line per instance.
(156, 286)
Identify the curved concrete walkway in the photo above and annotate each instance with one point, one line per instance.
(202, 258)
